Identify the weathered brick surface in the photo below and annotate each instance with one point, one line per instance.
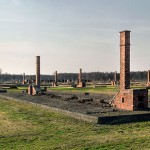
(38, 71)
(30, 90)
(56, 77)
(148, 78)
(33, 90)
(113, 83)
(130, 99)
(125, 60)
(80, 76)
(23, 81)
(81, 83)
(54, 84)
(115, 76)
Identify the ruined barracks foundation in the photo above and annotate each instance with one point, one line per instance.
(128, 99)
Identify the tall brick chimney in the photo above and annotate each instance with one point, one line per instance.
(148, 76)
(115, 76)
(38, 71)
(80, 76)
(55, 76)
(124, 60)
(23, 82)
(126, 98)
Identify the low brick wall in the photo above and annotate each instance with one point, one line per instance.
(3, 91)
(113, 120)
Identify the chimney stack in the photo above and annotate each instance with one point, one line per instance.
(115, 76)
(124, 60)
(80, 76)
(38, 71)
(148, 76)
(56, 77)
(23, 82)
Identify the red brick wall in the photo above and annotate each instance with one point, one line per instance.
(127, 96)
(129, 99)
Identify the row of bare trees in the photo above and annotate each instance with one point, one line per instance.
(64, 77)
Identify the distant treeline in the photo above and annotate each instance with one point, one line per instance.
(63, 77)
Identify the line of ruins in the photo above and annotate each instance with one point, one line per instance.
(126, 98)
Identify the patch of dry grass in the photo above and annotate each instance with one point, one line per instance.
(11, 126)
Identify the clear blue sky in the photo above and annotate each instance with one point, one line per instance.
(72, 34)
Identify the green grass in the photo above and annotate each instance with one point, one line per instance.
(108, 89)
(98, 89)
(24, 126)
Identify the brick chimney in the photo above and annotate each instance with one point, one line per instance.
(80, 76)
(148, 76)
(38, 71)
(115, 76)
(23, 81)
(124, 60)
(55, 76)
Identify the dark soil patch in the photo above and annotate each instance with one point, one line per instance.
(89, 104)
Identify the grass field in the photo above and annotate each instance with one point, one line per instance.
(99, 89)
(93, 89)
(24, 127)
